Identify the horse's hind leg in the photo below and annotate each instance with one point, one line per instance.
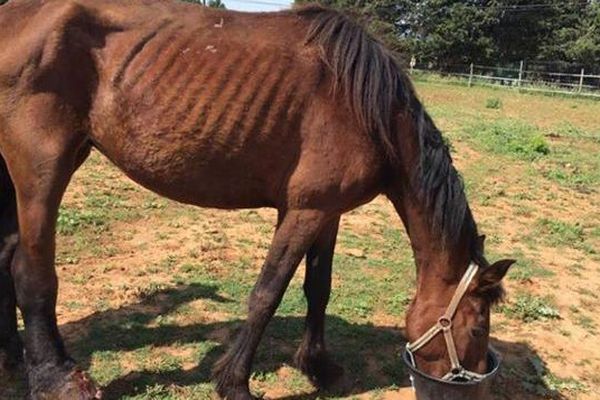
(11, 348)
(312, 357)
(41, 165)
(296, 232)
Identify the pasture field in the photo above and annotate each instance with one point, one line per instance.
(151, 291)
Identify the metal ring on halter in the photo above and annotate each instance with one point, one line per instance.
(444, 325)
(445, 322)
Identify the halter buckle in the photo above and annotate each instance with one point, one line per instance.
(445, 322)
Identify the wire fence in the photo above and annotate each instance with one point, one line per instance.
(533, 77)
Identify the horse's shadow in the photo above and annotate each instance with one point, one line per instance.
(370, 354)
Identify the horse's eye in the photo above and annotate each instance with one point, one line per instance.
(478, 332)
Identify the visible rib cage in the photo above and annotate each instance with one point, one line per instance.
(190, 82)
(160, 65)
(135, 50)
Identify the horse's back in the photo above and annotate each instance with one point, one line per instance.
(214, 108)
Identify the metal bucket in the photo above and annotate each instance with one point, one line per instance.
(430, 388)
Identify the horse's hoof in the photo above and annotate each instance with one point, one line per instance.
(238, 394)
(227, 385)
(227, 392)
(77, 385)
(327, 374)
(11, 357)
(9, 365)
(320, 369)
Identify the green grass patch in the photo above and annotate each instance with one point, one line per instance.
(568, 129)
(574, 164)
(73, 220)
(526, 269)
(529, 308)
(543, 382)
(559, 233)
(493, 103)
(509, 137)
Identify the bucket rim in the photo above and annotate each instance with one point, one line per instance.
(492, 357)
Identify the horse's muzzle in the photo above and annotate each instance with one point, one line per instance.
(430, 388)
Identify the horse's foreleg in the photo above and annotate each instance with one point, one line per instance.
(295, 234)
(11, 348)
(312, 358)
(41, 175)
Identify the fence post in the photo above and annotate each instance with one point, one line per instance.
(581, 79)
(520, 74)
(471, 75)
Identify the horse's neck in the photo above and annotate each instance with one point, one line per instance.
(437, 256)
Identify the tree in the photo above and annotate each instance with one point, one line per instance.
(581, 43)
(442, 32)
(536, 33)
(447, 32)
(210, 3)
(384, 18)
(216, 4)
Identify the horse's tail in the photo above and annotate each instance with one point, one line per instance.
(377, 91)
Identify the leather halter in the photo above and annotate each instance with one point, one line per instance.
(444, 325)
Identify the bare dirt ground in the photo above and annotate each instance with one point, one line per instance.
(152, 291)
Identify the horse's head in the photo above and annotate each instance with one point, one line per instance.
(456, 315)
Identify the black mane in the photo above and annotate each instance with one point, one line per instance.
(376, 88)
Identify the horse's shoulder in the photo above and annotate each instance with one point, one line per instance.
(49, 41)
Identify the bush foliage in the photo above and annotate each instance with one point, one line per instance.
(444, 33)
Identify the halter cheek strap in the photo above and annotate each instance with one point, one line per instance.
(444, 325)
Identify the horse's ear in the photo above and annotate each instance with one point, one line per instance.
(492, 276)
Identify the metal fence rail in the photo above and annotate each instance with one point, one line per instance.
(522, 78)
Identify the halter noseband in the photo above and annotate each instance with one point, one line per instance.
(444, 325)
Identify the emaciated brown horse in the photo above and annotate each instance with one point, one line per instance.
(298, 110)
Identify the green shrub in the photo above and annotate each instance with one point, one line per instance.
(510, 137)
(536, 144)
(493, 103)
